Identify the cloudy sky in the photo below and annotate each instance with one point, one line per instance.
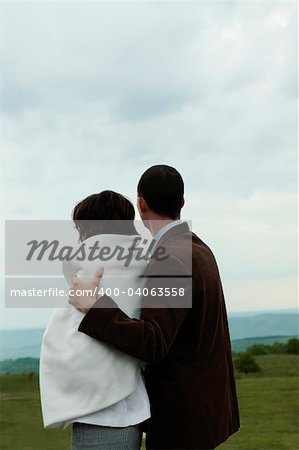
(92, 94)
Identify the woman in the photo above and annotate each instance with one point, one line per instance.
(90, 384)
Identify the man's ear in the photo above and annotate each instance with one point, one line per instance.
(183, 202)
(142, 204)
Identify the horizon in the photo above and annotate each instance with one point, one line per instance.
(230, 314)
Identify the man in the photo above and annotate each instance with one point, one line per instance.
(189, 372)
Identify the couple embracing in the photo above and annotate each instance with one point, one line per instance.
(156, 357)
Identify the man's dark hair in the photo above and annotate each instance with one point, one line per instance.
(105, 213)
(162, 188)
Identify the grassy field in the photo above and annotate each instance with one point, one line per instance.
(269, 404)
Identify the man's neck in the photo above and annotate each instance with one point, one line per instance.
(157, 224)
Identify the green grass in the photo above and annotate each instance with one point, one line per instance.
(269, 414)
(274, 366)
(268, 404)
(279, 365)
(21, 420)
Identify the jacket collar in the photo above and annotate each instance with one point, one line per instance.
(174, 231)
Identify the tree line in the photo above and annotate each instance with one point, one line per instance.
(246, 363)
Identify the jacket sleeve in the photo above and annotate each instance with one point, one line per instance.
(150, 337)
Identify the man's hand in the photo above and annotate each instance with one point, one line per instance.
(84, 295)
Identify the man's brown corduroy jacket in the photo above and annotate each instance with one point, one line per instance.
(189, 373)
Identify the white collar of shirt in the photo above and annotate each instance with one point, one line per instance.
(163, 231)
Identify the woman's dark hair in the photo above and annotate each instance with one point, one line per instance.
(105, 213)
(162, 188)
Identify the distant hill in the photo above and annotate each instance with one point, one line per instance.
(26, 365)
(266, 324)
(21, 365)
(16, 344)
(20, 343)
